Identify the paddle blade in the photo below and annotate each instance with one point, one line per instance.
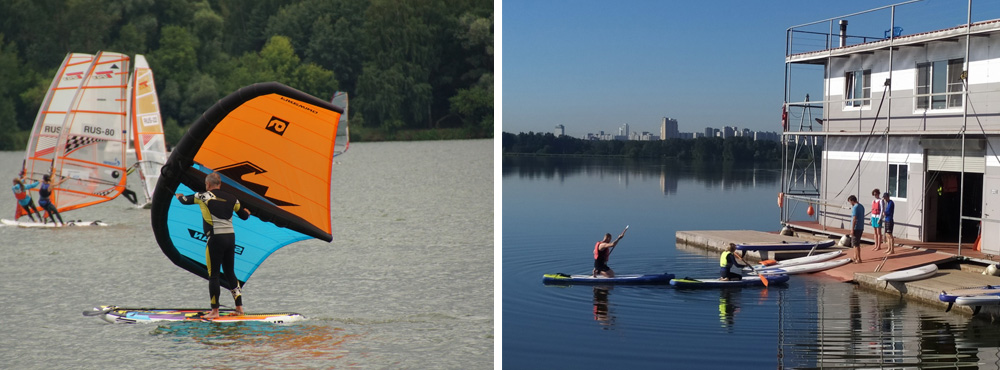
(763, 279)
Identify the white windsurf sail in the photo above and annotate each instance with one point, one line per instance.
(147, 127)
(49, 121)
(343, 136)
(90, 152)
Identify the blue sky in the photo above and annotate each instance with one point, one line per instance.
(595, 65)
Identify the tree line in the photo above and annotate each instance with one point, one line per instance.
(407, 65)
(732, 149)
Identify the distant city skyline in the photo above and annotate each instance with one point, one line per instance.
(626, 132)
(591, 66)
(629, 131)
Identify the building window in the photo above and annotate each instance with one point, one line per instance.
(859, 88)
(898, 173)
(939, 84)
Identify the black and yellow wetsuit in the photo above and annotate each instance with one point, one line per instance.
(217, 209)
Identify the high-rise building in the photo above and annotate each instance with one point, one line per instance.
(623, 131)
(668, 129)
(560, 130)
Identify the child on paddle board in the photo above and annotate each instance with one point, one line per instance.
(857, 226)
(24, 198)
(726, 262)
(602, 250)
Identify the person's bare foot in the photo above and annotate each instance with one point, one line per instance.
(210, 316)
(239, 311)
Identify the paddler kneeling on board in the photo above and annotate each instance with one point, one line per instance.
(217, 209)
(726, 262)
(602, 250)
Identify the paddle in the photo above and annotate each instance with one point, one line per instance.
(612, 249)
(616, 244)
(763, 278)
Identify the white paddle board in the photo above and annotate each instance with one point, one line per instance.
(917, 273)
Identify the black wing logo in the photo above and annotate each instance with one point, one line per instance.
(236, 172)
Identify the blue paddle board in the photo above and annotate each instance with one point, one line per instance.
(618, 279)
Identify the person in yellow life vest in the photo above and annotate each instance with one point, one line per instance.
(726, 262)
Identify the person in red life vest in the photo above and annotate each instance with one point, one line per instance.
(24, 199)
(877, 218)
(602, 250)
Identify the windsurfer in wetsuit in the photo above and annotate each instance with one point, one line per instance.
(24, 199)
(43, 198)
(602, 250)
(217, 209)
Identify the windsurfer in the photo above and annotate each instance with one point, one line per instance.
(24, 198)
(217, 209)
(43, 198)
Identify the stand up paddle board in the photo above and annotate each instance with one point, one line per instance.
(618, 279)
(918, 273)
(717, 283)
(803, 269)
(798, 261)
(951, 295)
(49, 224)
(114, 314)
(978, 300)
(784, 246)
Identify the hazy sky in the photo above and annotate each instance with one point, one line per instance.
(595, 65)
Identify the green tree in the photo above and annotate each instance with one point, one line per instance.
(177, 57)
(12, 137)
(394, 87)
(336, 40)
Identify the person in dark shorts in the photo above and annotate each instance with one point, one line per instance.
(217, 208)
(887, 221)
(602, 250)
(43, 198)
(857, 226)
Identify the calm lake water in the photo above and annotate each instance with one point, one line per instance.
(407, 282)
(555, 209)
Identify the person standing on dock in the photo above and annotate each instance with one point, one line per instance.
(726, 262)
(887, 212)
(857, 226)
(877, 208)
